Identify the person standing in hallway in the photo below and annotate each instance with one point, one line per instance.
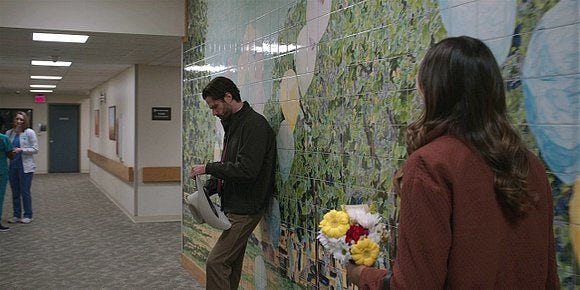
(22, 167)
(476, 206)
(5, 153)
(244, 179)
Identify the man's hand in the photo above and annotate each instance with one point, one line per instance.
(196, 170)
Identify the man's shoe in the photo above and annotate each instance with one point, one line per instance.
(26, 220)
(3, 228)
(13, 220)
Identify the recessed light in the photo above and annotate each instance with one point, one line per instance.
(50, 63)
(41, 91)
(45, 77)
(43, 86)
(59, 37)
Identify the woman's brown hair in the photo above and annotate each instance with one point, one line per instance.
(464, 96)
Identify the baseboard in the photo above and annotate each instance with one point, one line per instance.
(197, 272)
(157, 218)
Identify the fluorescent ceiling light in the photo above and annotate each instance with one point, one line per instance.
(43, 86)
(41, 91)
(207, 68)
(50, 63)
(275, 48)
(59, 37)
(45, 77)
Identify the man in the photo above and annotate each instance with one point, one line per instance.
(244, 178)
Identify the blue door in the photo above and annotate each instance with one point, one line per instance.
(63, 138)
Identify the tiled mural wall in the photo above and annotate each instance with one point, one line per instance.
(336, 80)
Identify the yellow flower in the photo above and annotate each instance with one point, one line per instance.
(335, 223)
(365, 252)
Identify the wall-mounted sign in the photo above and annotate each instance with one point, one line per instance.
(161, 114)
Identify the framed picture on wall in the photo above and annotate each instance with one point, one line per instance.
(97, 123)
(112, 123)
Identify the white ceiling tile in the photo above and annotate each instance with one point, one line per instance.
(102, 57)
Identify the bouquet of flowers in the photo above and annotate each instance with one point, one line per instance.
(353, 233)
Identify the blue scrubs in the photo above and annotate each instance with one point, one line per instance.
(20, 183)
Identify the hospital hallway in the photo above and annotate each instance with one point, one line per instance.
(80, 239)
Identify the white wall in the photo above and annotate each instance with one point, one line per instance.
(142, 141)
(158, 142)
(151, 17)
(120, 93)
(40, 115)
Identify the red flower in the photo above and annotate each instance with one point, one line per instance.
(354, 233)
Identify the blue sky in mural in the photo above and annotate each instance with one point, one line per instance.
(551, 78)
(491, 21)
(273, 219)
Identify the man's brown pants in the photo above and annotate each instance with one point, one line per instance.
(224, 263)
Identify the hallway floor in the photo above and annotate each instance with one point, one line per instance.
(80, 239)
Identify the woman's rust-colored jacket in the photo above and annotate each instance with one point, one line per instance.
(453, 234)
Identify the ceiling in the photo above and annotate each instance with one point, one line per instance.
(102, 57)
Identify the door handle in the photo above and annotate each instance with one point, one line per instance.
(51, 140)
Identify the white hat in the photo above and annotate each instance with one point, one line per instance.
(204, 210)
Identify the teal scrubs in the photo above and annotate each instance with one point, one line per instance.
(5, 146)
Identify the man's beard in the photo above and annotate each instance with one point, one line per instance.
(226, 115)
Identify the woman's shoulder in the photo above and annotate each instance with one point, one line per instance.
(537, 167)
(444, 155)
(29, 131)
(443, 147)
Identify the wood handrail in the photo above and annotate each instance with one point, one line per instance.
(161, 174)
(114, 167)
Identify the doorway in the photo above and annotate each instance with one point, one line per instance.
(63, 138)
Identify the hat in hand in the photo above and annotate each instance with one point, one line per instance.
(203, 210)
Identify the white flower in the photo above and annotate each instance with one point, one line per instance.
(375, 237)
(356, 211)
(376, 233)
(337, 246)
(362, 216)
(343, 255)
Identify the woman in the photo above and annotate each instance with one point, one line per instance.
(476, 206)
(5, 153)
(22, 167)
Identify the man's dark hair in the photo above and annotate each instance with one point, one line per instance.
(218, 87)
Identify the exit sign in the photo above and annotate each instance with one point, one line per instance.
(40, 99)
